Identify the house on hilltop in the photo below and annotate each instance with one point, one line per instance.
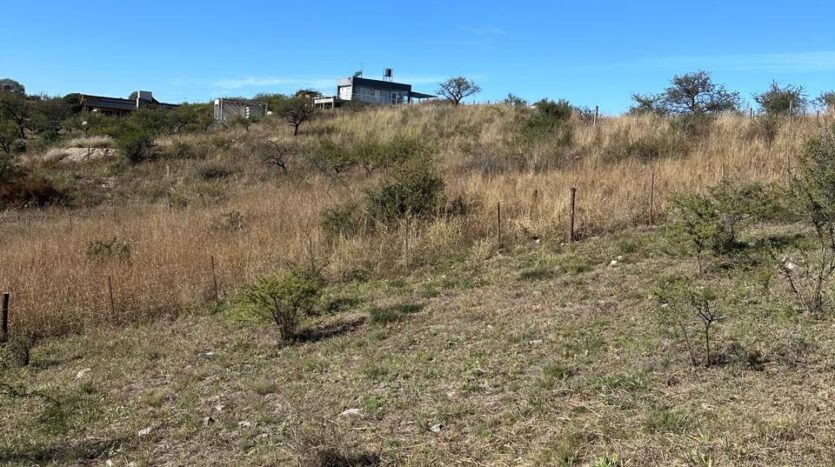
(371, 91)
(121, 107)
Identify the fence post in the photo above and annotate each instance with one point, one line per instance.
(534, 200)
(4, 332)
(571, 237)
(110, 293)
(596, 114)
(214, 279)
(499, 223)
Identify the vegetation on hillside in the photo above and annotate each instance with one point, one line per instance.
(415, 265)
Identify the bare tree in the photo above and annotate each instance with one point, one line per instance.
(296, 111)
(457, 89)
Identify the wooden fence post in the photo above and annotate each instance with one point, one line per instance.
(596, 114)
(110, 293)
(571, 237)
(499, 223)
(4, 332)
(214, 279)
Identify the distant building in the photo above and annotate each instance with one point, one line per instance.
(228, 109)
(371, 91)
(120, 107)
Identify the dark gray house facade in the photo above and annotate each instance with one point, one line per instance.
(372, 91)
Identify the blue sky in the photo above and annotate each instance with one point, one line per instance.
(593, 53)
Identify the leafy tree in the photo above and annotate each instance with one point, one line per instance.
(826, 100)
(296, 111)
(457, 89)
(12, 86)
(514, 101)
(782, 100)
(647, 104)
(13, 109)
(689, 94)
(190, 118)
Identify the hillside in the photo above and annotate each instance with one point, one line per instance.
(448, 317)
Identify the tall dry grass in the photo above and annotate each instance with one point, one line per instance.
(58, 288)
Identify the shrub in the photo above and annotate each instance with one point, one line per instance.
(766, 127)
(814, 190)
(714, 221)
(100, 250)
(135, 145)
(331, 158)
(29, 191)
(344, 220)
(286, 298)
(693, 310)
(213, 171)
(782, 100)
(412, 190)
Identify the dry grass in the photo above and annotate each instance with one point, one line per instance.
(500, 367)
(56, 287)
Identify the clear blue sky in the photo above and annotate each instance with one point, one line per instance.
(589, 52)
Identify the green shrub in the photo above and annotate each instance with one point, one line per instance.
(412, 190)
(286, 298)
(100, 250)
(344, 220)
(135, 145)
(214, 171)
(714, 221)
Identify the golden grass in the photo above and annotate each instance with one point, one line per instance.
(56, 287)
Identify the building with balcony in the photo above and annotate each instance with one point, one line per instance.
(371, 91)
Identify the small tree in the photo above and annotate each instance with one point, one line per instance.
(809, 271)
(689, 94)
(826, 100)
(457, 89)
(286, 298)
(782, 100)
(714, 221)
(692, 310)
(514, 101)
(296, 111)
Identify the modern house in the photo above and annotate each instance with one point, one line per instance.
(228, 109)
(120, 107)
(371, 91)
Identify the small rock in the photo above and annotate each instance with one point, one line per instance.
(349, 412)
(535, 342)
(436, 428)
(208, 421)
(613, 263)
(619, 258)
(109, 463)
(244, 424)
(82, 373)
(219, 408)
(145, 431)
